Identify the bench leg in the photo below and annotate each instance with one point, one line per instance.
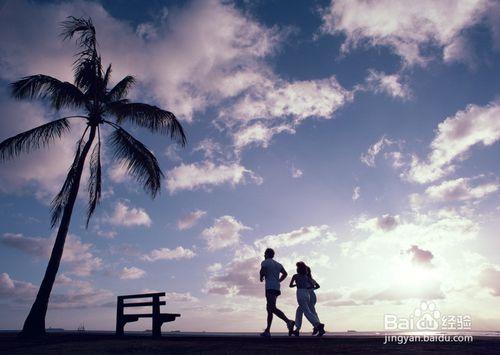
(120, 325)
(157, 328)
(156, 317)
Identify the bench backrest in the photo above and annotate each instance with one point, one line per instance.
(155, 302)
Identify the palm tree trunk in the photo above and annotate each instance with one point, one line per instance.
(34, 325)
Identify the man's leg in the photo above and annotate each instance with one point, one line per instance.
(270, 306)
(289, 323)
(281, 315)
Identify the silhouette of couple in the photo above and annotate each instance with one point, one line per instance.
(273, 273)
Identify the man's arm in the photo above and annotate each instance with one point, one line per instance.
(262, 273)
(284, 274)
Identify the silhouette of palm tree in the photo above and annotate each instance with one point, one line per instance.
(89, 94)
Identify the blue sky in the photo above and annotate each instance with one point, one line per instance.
(360, 137)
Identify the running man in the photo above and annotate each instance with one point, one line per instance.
(273, 273)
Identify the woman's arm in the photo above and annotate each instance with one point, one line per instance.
(292, 282)
(315, 284)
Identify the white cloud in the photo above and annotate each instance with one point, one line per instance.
(300, 100)
(303, 235)
(225, 232)
(257, 134)
(77, 256)
(180, 297)
(76, 293)
(169, 254)
(459, 190)
(238, 277)
(17, 291)
(118, 173)
(124, 215)
(44, 169)
(172, 153)
(356, 193)
(454, 137)
(106, 234)
(82, 296)
(489, 278)
(406, 27)
(398, 159)
(209, 148)
(207, 52)
(296, 172)
(368, 158)
(438, 230)
(132, 273)
(273, 106)
(213, 268)
(392, 84)
(190, 219)
(207, 174)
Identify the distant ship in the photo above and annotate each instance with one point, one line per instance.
(351, 331)
(50, 329)
(81, 328)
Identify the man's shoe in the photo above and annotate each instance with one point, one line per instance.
(290, 326)
(321, 329)
(266, 334)
(296, 332)
(315, 331)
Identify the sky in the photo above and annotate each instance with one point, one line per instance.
(360, 137)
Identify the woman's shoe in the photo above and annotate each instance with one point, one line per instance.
(321, 329)
(315, 331)
(296, 332)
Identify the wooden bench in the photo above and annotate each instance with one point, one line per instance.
(157, 318)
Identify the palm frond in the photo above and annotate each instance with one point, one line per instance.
(88, 73)
(81, 27)
(58, 93)
(121, 89)
(87, 67)
(138, 160)
(61, 199)
(35, 138)
(148, 116)
(94, 186)
(107, 78)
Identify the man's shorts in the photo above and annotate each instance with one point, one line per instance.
(272, 293)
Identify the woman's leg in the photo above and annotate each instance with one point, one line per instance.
(303, 299)
(298, 318)
(312, 302)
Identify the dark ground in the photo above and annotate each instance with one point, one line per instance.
(108, 344)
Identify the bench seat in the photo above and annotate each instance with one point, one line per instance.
(165, 317)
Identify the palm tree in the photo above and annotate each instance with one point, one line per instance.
(97, 106)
